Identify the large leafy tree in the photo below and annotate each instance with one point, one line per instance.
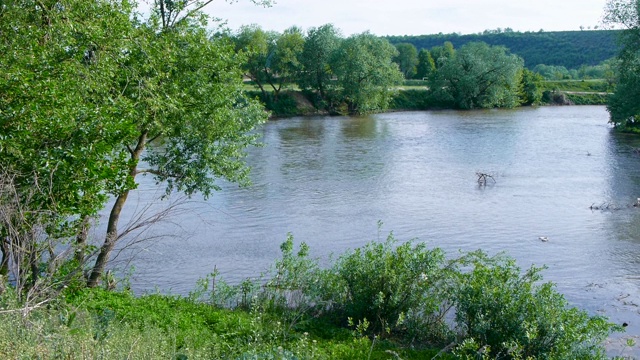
(319, 47)
(479, 76)
(272, 59)
(59, 115)
(366, 73)
(407, 59)
(190, 118)
(91, 98)
(426, 65)
(259, 48)
(287, 65)
(623, 105)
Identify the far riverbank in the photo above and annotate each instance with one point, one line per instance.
(301, 103)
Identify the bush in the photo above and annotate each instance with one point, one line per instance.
(383, 282)
(509, 315)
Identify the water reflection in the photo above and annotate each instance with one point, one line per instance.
(362, 127)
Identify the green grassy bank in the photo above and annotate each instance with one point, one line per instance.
(386, 300)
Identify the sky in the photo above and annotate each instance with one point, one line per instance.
(413, 17)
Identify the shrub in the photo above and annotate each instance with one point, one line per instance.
(507, 313)
(383, 282)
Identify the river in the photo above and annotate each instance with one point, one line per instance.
(329, 180)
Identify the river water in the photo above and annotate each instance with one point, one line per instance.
(329, 180)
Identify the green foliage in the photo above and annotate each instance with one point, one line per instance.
(622, 104)
(423, 83)
(407, 59)
(258, 46)
(286, 104)
(272, 59)
(382, 283)
(286, 64)
(411, 99)
(57, 108)
(588, 99)
(208, 122)
(319, 47)
(531, 88)
(510, 315)
(551, 72)
(477, 76)
(101, 324)
(89, 92)
(426, 64)
(366, 74)
(293, 274)
(442, 53)
(570, 49)
(402, 291)
(576, 85)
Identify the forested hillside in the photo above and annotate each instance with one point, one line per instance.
(570, 49)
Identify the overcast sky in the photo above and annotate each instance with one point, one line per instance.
(414, 17)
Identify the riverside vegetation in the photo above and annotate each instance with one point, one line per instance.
(386, 300)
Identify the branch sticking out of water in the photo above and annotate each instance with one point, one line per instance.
(483, 178)
(612, 207)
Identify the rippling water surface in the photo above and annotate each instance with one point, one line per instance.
(328, 180)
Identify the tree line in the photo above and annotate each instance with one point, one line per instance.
(360, 73)
(571, 49)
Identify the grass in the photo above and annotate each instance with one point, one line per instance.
(98, 324)
(593, 85)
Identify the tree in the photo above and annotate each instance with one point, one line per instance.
(622, 105)
(441, 54)
(89, 93)
(319, 46)
(259, 48)
(407, 59)
(366, 73)
(286, 65)
(190, 118)
(59, 115)
(530, 87)
(426, 65)
(478, 76)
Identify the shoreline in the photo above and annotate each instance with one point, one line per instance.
(294, 103)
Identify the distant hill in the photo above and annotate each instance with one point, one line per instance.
(570, 49)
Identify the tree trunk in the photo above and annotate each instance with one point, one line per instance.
(109, 242)
(81, 240)
(112, 227)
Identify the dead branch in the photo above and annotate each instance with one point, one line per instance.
(483, 178)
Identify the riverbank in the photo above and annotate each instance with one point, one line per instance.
(385, 300)
(300, 103)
